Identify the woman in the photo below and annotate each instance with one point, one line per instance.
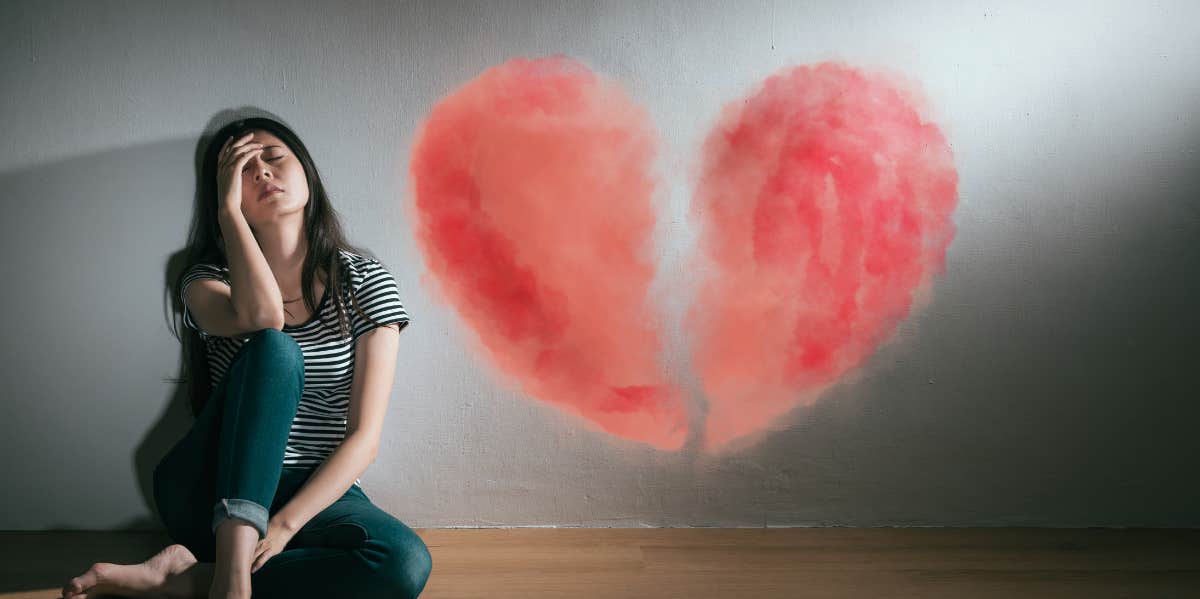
(262, 493)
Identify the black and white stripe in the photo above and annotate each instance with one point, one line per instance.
(320, 423)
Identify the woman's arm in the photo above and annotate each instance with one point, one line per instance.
(330, 481)
(374, 370)
(253, 290)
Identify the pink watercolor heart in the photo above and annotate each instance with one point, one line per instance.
(533, 208)
(824, 203)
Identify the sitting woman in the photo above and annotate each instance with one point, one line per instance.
(289, 394)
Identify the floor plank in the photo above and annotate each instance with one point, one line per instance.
(709, 562)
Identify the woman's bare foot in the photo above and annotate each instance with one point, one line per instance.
(158, 577)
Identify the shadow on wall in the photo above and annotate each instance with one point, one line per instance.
(91, 226)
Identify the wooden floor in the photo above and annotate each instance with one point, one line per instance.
(533, 563)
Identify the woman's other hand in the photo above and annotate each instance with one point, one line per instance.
(278, 536)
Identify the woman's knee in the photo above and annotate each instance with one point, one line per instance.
(409, 564)
(277, 348)
(277, 342)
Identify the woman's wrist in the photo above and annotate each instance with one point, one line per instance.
(281, 520)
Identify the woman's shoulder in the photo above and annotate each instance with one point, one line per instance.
(360, 265)
(206, 269)
(365, 274)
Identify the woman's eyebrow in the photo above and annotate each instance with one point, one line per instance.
(274, 146)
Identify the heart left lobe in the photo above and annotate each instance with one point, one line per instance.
(533, 207)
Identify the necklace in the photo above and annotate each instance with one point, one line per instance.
(289, 301)
(288, 312)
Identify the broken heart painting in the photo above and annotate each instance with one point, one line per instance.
(823, 204)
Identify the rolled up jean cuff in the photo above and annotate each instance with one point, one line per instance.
(242, 509)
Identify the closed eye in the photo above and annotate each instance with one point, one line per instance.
(268, 160)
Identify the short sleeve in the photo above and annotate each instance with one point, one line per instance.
(195, 273)
(379, 298)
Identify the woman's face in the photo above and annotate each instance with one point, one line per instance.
(275, 166)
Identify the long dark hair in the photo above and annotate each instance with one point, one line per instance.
(322, 228)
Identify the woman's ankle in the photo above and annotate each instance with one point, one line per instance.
(236, 540)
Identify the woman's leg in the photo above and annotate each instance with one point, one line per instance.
(261, 399)
(351, 549)
(229, 463)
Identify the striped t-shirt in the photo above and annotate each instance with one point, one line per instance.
(320, 423)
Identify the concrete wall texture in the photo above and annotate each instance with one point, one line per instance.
(1040, 380)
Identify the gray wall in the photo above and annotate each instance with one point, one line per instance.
(1046, 384)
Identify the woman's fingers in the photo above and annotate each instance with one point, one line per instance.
(240, 152)
(229, 143)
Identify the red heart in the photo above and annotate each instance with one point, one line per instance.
(824, 201)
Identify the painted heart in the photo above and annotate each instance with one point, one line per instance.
(533, 208)
(823, 202)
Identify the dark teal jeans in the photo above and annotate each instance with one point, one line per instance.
(230, 465)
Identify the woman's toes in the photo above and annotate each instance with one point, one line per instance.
(81, 583)
(118, 579)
